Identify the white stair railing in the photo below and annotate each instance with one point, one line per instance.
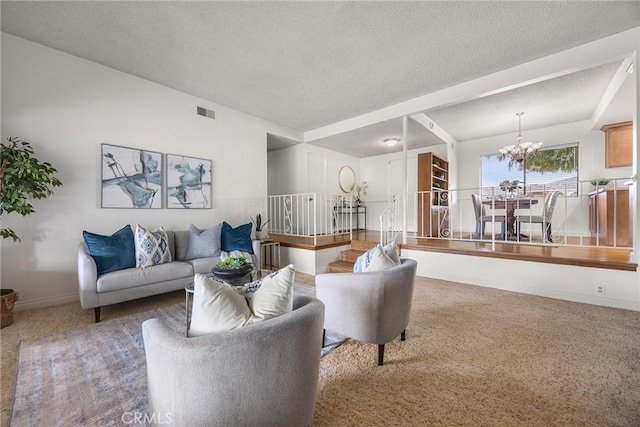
(389, 228)
(310, 214)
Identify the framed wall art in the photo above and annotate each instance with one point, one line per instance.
(131, 178)
(188, 182)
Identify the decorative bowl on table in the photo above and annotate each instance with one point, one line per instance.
(232, 269)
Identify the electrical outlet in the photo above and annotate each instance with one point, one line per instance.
(600, 289)
(17, 294)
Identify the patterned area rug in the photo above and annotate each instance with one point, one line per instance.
(95, 375)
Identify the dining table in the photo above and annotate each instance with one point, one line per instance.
(510, 204)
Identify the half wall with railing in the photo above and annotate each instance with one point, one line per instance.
(574, 214)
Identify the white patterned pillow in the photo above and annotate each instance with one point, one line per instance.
(392, 252)
(379, 261)
(273, 296)
(363, 261)
(152, 247)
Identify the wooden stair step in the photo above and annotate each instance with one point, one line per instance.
(362, 245)
(350, 255)
(341, 267)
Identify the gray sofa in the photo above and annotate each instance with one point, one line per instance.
(265, 374)
(133, 283)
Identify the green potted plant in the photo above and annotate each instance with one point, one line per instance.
(232, 269)
(22, 177)
(600, 182)
(260, 233)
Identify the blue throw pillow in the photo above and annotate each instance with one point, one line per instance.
(111, 253)
(237, 239)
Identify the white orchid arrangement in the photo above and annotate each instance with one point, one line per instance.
(359, 189)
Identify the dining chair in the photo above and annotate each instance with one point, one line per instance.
(544, 219)
(482, 218)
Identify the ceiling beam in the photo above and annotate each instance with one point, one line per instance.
(612, 89)
(434, 128)
(598, 52)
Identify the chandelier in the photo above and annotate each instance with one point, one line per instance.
(519, 152)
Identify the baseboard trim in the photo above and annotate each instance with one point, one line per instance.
(46, 302)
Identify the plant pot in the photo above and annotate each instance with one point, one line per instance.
(232, 276)
(7, 301)
(261, 235)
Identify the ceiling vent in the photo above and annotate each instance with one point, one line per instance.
(207, 113)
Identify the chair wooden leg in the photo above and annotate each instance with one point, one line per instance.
(96, 313)
(324, 333)
(380, 354)
(403, 335)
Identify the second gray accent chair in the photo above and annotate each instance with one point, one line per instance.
(264, 374)
(369, 307)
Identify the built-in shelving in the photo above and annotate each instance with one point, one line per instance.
(433, 186)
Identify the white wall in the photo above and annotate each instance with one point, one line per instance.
(66, 107)
(565, 282)
(384, 176)
(289, 169)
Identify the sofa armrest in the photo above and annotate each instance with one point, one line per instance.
(87, 278)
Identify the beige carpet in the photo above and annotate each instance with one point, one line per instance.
(473, 356)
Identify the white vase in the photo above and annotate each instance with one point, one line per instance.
(261, 235)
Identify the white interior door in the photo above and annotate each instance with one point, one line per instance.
(317, 183)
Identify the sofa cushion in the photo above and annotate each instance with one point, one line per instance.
(274, 296)
(152, 247)
(133, 277)
(181, 242)
(237, 239)
(111, 253)
(203, 265)
(216, 307)
(203, 243)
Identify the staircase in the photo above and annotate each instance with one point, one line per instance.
(348, 257)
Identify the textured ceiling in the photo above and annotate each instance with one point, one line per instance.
(309, 64)
(571, 98)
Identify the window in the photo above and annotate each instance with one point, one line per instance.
(554, 168)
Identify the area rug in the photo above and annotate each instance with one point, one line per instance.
(95, 375)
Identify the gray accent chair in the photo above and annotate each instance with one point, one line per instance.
(482, 218)
(369, 307)
(265, 374)
(548, 208)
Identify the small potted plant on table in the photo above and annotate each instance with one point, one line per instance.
(232, 269)
(260, 233)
